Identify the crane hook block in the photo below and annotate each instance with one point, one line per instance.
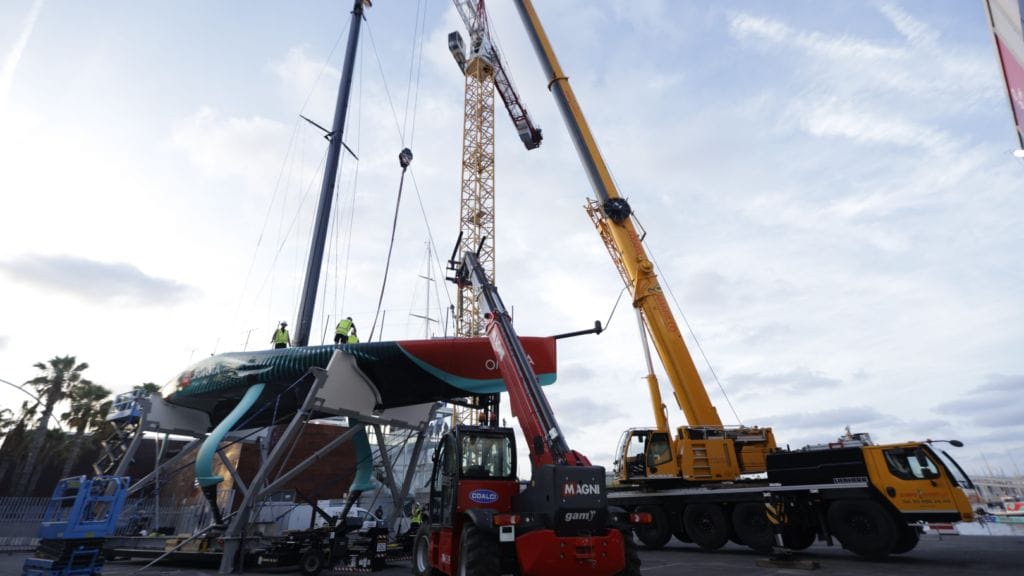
(405, 157)
(617, 209)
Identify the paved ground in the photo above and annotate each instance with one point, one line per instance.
(950, 556)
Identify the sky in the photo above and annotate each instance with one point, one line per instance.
(829, 193)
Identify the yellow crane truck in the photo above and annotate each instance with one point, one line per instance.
(707, 482)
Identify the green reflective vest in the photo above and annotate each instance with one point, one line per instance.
(344, 327)
(281, 336)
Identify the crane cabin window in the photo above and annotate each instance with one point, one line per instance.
(486, 456)
(911, 464)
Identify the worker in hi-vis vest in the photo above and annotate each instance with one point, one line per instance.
(345, 328)
(281, 338)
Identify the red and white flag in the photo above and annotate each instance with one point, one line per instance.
(1007, 20)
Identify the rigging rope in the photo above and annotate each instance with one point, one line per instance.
(404, 157)
(412, 173)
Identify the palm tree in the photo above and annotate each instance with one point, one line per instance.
(89, 407)
(59, 374)
(14, 441)
(147, 388)
(54, 449)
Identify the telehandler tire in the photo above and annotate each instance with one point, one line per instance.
(478, 552)
(421, 552)
(632, 556)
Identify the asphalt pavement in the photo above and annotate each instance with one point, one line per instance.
(934, 556)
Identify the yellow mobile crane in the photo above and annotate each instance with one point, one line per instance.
(704, 450)
(873, 498)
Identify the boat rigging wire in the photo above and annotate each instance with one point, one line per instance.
(286, 162)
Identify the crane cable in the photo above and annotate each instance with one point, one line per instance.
(402, 137)
(650, 252)
(689, 329)
(405, 157)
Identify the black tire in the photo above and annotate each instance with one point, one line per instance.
(478, 552)
(799, 536)
(678, 530)
(864, 527)
(707, 525)
(632, 556)
(311, 562)
(656, 534)
(752, 526)
(907, 540)
(421, 552)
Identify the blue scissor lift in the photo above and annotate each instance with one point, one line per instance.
(82, 512)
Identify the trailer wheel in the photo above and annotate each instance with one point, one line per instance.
(656, 534)
(707, 525)
(752, 526)
(863, 527)
(421, 552)
(908, 538)
(312, 562)
(478, 552)
(632, 556)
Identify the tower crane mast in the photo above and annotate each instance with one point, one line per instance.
(484, 71)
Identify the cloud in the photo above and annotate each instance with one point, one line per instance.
(747, 26)
(230, 146)
(833, 117)
(14, 56)
(915, 31)
(101, 282)
(799, 380)
(992, 404)
(836, 418)
(851, 85)
(3, 342)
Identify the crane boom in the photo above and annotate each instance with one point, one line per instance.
(475, 19)
(689, 390)
(528, 401)
(705, 450)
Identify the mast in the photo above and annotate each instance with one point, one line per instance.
(323, 211)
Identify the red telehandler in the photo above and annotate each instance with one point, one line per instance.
(482, 520)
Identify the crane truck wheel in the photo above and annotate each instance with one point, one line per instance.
(312, 562)
(678, 530)
(908, 538)
(864, 527)
(478, 552)
(706, 525)
(421, 552)
(799, 536)
(656, 534)
(752, 526)
(632, 556)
